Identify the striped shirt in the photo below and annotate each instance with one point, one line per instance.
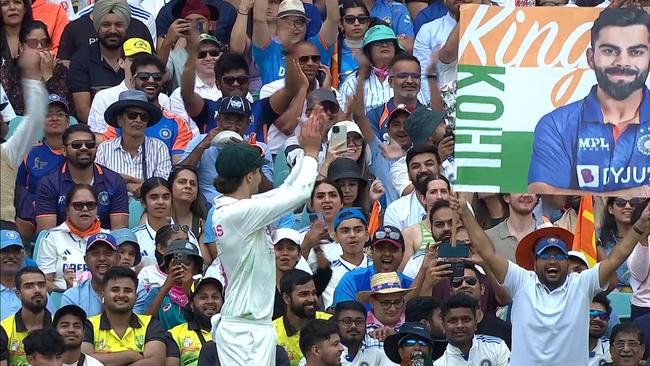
(114, 157)
(136, 12)
(375, 92)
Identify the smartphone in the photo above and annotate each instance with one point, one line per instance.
(449, 132)
(454, 255)
(339, 136)
(180, 258)
(316, 216)
(320, 76)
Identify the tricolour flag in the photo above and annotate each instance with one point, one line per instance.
(585, 236)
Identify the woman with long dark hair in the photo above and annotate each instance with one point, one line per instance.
(187, 202)
(16, 16)
(491, 209)
(355, 20)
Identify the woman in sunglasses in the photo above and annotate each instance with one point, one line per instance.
(156, 196)
(355, 19)
(617, 221)
(62, 249)
(154, 275)
(32, 35)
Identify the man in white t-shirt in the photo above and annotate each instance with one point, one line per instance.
(69, 323)
(550, 310)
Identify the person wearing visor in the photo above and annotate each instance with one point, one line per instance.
(550, 307)
(412, 341)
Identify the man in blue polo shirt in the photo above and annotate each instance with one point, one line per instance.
(387, 251)
(79, 167)
(601, 143)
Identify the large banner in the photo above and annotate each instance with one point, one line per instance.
(539, 109)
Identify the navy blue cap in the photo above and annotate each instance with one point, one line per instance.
(349, 213)
(391, 344)
(236, 105)
(102, 238)
(550, 242)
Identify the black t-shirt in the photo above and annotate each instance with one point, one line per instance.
(81, 32)
(495, 327)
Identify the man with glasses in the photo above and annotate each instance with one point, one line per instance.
(412, 345)
(387, 298)
(44, 157)
(136, 156)
(550, 307)
(626, 345)
(291, 28)
(81, 167)
(599, 314)
(464, 344)
(350, 318)
(148, 73)
(299, 294)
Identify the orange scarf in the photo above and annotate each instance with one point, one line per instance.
(95, 228)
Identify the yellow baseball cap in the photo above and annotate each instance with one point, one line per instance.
(133, 46)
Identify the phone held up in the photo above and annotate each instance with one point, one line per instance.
(454, 255)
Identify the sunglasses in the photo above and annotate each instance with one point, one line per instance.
(359, 322)
(144, 76)
(457, 282)
(410, 342)
(620, 345)
(77, 144)
(603, 315)
(406, 75)
(213, 53)
(78, 206)
(230, 80)
(634, 202)
(387, 233)
(144, 116)
(38, 43)
(557, 256)
(177, 228)
(386, 304)
(304, 59)
(350, 19)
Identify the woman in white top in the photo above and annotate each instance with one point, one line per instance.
(156, 196)
(62, 248)
(153, 275)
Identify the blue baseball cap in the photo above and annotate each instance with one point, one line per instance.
(102, 238)
(126, 236)
(550, 242)
(349, 213)
(9, 238)
(235, 105)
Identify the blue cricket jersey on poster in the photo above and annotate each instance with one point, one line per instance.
(574, 148)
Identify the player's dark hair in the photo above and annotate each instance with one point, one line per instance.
(314, 332)
(79, 127)
(227, 185)
(601, 298)
(626, 327)
(18, 278)
(458, 301)
(437, 206)
(32, 26)
(325, 181)
(349, 305)
(163, 235)
(230, 62)
(420, 308)
(351, 4)
(197, 207)
(146, 59)
(150, 184)
(399, 57)
(77, 188)
(293, 278)
(620, 17)
(117, 272)
(422, 185)
(472, 267)
(46, 341)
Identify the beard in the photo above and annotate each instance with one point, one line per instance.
(34, 307)
(202, 320)
(620, 90)
(111, 46)
(301, 312)
(71, 346)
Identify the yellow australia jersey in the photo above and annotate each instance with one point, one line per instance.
(290, 342)
(12, 334)
(186, 337)
(142, 329)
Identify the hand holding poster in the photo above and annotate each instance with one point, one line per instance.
(553, 101)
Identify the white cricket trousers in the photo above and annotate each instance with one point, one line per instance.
(243, 342)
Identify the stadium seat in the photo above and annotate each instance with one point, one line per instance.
(55, 297)
(37, 245)
(620, 302)
(14, 123)
(135, 212)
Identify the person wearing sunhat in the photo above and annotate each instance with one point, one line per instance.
(44, 157)
(379, 47)
(347, 176)
(410, 338)
(128, 247)
(182, 262)
(134, 155)
(291, 28)
(69, 322)
(241, 222)
(387, 298)
(549, 306)
(205, 301)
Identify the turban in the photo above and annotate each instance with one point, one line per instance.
(104, 7)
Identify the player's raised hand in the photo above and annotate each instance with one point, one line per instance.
(311, 132)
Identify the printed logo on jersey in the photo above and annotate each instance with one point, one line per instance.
(219, 231)
(103, 198)
(593, 144)
(39, 163)
(388, 20)
(165, 133)
(588, 175)
(61, 200)
(139, 341)
(486, 363)
(643, 144)
(101, 345)
(14, 345)
(66, 252)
